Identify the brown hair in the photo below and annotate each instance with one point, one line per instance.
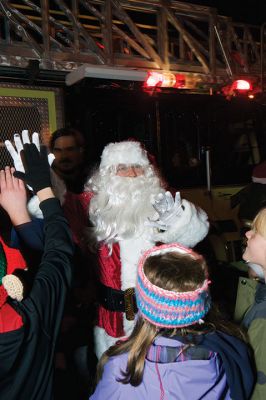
(174, 272)
(77, 135)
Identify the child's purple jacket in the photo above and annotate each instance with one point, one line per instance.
(190, 379)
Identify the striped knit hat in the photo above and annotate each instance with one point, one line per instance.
(170, 309)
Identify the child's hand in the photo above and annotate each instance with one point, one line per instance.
(13, 197)
(15, 152)
(36, 166)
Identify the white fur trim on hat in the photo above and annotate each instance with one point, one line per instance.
(126, 152)
(259, 180)
(259, 173)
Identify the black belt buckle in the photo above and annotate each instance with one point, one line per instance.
(129, 295)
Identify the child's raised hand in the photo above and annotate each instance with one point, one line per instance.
(36, 166)
(13, 197)
(15, 151)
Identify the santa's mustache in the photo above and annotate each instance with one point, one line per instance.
(121, 207)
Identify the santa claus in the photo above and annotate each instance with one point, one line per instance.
(130, 211)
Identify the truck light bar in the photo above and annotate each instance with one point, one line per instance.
(165, 79)
(99, 71)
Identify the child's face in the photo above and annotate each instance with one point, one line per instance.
(255, 251)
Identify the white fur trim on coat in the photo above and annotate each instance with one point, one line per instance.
(124, 153)
(130, 253)
(188, 228)
(102, 341)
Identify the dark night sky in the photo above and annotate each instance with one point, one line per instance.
(249, 11)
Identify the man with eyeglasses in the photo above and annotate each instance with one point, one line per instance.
(130, 211)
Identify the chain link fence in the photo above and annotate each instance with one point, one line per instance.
(13, 119)
(32, 113)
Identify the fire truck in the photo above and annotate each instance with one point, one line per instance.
(185, 81)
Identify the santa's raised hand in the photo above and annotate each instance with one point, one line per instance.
(167, 208)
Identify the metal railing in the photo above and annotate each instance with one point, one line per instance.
(147, 34)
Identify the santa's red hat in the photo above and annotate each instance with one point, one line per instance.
(259, 173)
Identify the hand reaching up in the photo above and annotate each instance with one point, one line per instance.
(37, 168)
(13, 197)
(31, 161)
(15, 152)
(167, 208)
(19, 142)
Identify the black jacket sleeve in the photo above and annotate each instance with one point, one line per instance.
(54, 275)
(30, 235)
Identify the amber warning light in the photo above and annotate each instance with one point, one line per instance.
(165, 79)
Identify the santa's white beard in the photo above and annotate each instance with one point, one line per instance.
(121, 206)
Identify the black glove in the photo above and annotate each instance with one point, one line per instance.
(37, 169)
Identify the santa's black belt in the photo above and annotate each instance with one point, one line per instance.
(118, 300)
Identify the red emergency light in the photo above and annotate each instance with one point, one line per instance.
(239, 87)
(164, 79)
(242, 85)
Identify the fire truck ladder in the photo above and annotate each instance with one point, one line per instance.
(134, 35)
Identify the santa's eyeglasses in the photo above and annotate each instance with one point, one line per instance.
(129, 170)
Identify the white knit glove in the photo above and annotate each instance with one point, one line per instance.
(167, 209)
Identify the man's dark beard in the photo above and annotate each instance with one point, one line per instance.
(64, 161)
(74, 178)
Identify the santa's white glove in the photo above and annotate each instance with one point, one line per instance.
(167, 209)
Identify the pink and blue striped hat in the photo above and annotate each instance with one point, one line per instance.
(170, 309)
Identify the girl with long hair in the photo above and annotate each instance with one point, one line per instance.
(180, 348)
(251, 299)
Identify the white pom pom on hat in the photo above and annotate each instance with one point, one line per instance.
(126, 152)
(13, 286)
(259, 173)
